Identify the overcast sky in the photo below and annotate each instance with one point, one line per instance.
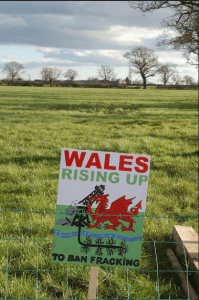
(80, 35)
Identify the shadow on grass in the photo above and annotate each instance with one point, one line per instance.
(105, 105)
(22, 160)
(188, 154)
(154, 120)
(144, 104)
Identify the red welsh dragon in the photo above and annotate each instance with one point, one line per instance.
(118, 210)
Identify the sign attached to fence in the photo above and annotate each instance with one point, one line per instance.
(100, 208)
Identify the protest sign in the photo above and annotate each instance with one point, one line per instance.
(100, 208)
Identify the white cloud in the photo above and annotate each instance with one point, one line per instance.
(46, 49)
(173, 57)
(124, 35)
(6, 19)
(69, 61)
(83, 53)
(55, 61)
(41, 60)
(7, 60)
(46, 60)
(116, 54)
(127, 35)
(172, 60)
(8, 56)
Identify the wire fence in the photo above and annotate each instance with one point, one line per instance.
(68, 213)
(8, 265)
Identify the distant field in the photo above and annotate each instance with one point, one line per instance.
(35, 124)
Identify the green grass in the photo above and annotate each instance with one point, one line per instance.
(35, 124)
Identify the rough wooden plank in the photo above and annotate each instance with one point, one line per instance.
(93, 281)
(187, 234)
(175, 264)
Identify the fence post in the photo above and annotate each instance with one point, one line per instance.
(93, 281)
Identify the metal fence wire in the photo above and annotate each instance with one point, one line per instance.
(7, 266)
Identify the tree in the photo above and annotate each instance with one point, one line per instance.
(13, 69)
(50, 74)
(71, 74)
(183, 23)
(188, 80)
(166, 71)
(45, 73)
(106, 73)
(177, 79)
(144, 61)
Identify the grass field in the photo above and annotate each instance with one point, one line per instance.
(35, 124)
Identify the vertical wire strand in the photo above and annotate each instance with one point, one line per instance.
(6, 272)
(186, 270)
(67, 281)
(97, 282)
(157, 270)
(37, 269)
(127, 276)
(97, 289)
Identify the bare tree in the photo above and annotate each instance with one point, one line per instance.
(106, 73)
(177, 79)
(166, 71)
(13, 69)
(50, 74)
(188, 80)
(45, 73)
(144, 61)
(71, 74)
(183, 23)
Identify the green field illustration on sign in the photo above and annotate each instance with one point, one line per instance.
(98, 236)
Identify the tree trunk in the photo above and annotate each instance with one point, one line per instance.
(144, 82)
(165, 80)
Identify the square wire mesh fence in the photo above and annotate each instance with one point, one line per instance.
(26, 272)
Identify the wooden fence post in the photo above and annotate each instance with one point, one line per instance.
(93, 281)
